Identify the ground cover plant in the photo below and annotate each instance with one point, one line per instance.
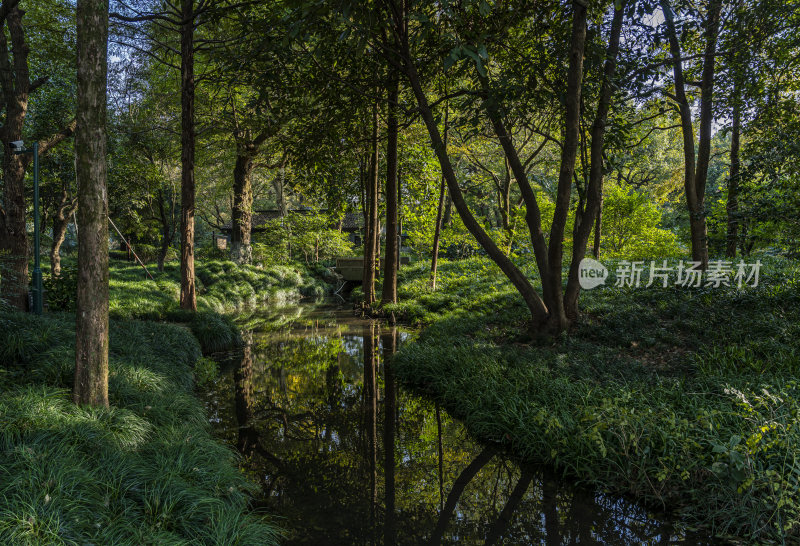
(686, 399)
(144, 471)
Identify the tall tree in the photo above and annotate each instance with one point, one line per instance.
(695, 165)
(188, 298)
(389, 294)
(91, 332)
(372, 237)
(17, 87)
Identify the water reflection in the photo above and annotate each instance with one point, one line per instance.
(345, 456)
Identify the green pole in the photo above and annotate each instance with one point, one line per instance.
(37, 266)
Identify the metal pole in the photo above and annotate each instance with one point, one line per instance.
(37, 267)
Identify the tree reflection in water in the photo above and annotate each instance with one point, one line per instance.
(344, 455)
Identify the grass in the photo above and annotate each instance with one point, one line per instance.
(145, 471)
(225, 291)
(685, 399)
(222, 287)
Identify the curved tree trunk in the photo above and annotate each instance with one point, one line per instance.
(60, 224)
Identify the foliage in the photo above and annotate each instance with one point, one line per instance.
(685, 399)
(631, 227)
(144, 471)
(223, 287)
(60, 291)
(312, 236)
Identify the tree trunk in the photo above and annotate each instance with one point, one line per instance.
(694, 185)
(188, 299)
(437, 231)
(13, 237)
(733, 181)
(706, 117)
(242, 214)
(280, 190)
(558, 319)
(165, 233)
(598, 227)
(389, 294)
(13, 228)
(517, 278)
(91, 332)
(585, 219)
(447, 218)
(371, 238)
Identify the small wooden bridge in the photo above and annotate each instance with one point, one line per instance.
(352, 269)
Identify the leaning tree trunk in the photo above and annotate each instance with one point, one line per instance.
(188, 299)
(389, 294)
(437, 230)
(91, 332)
(242, 210)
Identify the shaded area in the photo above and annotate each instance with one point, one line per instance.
(347, 456)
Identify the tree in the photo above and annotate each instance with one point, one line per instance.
(17, 87)
(91, 332)
(695, 166)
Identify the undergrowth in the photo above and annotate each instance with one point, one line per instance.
(145, 471)
(686, 399)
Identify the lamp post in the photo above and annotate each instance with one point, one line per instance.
(18, 147)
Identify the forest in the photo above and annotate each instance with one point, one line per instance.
(400, 272)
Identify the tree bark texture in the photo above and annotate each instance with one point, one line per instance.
(371, 238)
(188, 298)
(91, 332)
(389, 294)
(242, 213)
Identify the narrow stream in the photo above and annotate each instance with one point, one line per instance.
(344, 455)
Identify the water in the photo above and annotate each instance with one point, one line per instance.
(344, 455)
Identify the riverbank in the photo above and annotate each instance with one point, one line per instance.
(685, 400)
(145, 471)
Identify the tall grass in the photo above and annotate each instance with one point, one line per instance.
(145, 471)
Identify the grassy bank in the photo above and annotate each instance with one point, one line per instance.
(685, 399)
(145, 471)
(223, 289)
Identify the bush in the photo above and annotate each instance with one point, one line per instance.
(60, 291)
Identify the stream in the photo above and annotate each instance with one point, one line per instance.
(345, 455)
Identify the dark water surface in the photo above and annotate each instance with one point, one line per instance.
(345, 455)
